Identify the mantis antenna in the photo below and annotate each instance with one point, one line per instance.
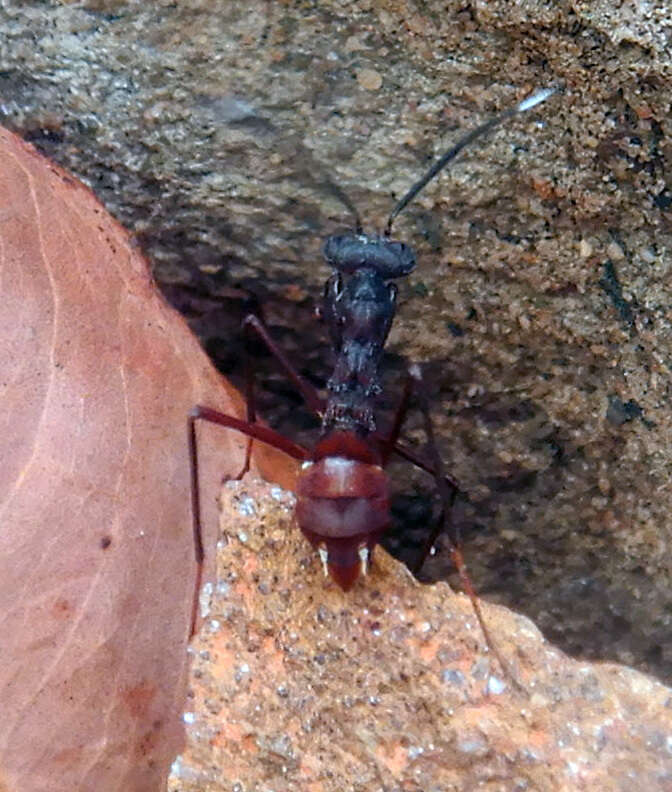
(440, 164)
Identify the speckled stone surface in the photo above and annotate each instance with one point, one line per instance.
(297, 686)
(540, 306)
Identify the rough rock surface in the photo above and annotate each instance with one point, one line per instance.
(540, 305)
(298, 687)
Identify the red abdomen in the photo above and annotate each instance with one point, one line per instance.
(343, 506)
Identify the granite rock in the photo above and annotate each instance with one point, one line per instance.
(298, 686)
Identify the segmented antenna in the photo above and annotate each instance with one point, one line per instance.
(526, 104)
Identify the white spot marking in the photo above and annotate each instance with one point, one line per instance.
(535, 99)
(204, 598)
(324, 558)
(364, 558)
(247, 507)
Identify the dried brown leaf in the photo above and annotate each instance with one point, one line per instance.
(96, 559)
